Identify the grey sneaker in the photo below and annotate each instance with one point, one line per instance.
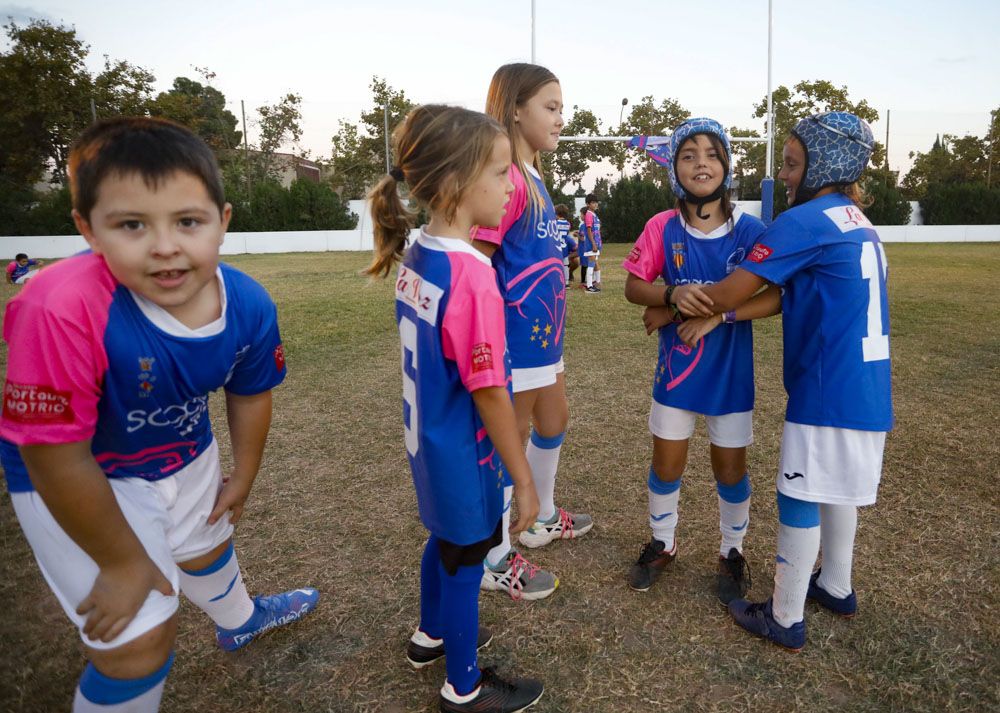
(563, 525)
(519, 578)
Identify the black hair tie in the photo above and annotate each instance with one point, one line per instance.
(397, 174)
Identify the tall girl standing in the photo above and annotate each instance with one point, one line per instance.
(459, 425)
(527, 100)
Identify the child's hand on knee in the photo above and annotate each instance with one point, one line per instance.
(117, 595)
(231, 499)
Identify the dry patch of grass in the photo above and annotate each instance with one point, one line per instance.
(334, 508)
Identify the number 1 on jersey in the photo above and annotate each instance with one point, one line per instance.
(411, 419)
(875, 346)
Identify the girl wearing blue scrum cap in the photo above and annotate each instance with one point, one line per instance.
(827, 258)
(700, 242)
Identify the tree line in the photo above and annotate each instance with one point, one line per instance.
(49, 97)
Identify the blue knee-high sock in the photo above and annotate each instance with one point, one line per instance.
(460, 619)
(430, 590)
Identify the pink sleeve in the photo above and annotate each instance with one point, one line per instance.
(646, 259)
(54, 374)
(515, 208)
(10, 267)
(588, 218)
(473, 330)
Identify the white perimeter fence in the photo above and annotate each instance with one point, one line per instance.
(360, 239)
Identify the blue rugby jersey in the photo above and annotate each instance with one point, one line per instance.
(529, 263)
(831, 266)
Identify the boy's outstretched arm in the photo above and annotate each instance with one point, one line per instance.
(77, 493)
(249, 419)
(497, 412)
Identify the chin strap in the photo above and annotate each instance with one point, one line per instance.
(699, 203)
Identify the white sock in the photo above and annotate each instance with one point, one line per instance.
(590, 277)
(837, 524)
(219, 591)
(663, 509)
(543, 457)
(797, 550)
(734, 514)
(499, 553)
(597, 276)
(565, 273)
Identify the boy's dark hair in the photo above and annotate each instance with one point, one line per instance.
(562, 211)
(20, 256)
(152, 148)
(591, 198)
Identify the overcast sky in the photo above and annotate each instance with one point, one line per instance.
(935, 65)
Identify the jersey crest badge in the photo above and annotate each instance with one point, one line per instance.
(678, 250)
(146, 376)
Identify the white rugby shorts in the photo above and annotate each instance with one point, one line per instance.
(729, 430)
(839, 466)
(170, 518)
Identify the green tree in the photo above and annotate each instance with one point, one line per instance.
(954, 160)
(279, 124)
(201, 108)
(358, 159)
(889, 206)
(632, 201)
(571, 159)
(44, 94)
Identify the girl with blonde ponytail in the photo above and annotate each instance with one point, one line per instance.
(460, 431)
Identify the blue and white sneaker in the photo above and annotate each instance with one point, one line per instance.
(758, 619)
(845, 607)
(268, 613)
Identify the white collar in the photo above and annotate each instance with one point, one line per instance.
(531, 169)
(450, 245)
(720, 232)
(173, 326)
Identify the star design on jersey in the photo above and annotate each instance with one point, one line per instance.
(535, 328)
(548, 329)
(545, 344)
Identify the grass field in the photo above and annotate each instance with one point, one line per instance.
(334, 508)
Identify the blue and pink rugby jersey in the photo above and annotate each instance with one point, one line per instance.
(716, 376)
(529, 263)
(87, 360)
(451, 327)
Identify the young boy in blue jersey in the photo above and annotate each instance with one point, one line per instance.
(700, 242)
(22, 268)
(107, 448)
(827, 258)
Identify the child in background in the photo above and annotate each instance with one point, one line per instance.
(592, 224)
(827, 258)
(701, 241)
(108, 450)
(460, 431)
(563, 226)
(19, 269)
(527, 101)
(586, 251)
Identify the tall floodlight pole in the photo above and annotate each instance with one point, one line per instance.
(621, 112)
(532, 31)
(770, 120)
(767, 185)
